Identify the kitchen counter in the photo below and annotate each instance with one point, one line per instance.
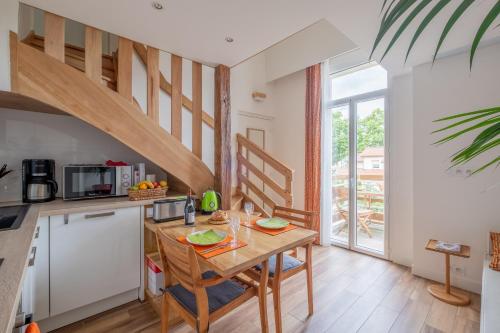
(15, 245)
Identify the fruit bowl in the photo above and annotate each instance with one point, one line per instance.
(154, 193)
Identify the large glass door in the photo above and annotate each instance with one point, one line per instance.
(358, 170)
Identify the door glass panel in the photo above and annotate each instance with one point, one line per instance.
(340, 173)
(370, 212)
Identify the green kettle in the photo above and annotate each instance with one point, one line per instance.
(210, 202)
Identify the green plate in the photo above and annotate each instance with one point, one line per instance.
(272, 223)
(206, 237)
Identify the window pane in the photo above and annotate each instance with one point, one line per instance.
(351, 83)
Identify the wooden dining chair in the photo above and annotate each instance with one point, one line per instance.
(283, 266)
(198, 298)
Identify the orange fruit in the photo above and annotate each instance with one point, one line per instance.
(32, 328)
(143, 187)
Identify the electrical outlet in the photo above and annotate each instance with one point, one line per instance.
(458, 270)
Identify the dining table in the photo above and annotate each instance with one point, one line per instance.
(260, 246)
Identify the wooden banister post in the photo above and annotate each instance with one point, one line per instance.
(153, 74)
(176, 97)
(54, 36)
(223, 134)
(124, 77)
(93, 54)
(197, 112)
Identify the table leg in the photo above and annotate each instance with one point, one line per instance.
(264, 276)
(444, 293)
(448, 268)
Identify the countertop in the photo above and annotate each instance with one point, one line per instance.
(15, 245)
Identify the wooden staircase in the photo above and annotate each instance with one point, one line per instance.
(97, 89)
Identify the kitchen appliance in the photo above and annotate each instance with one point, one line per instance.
(210, 202)
(38, 178)
(89, 181)
(169, 209)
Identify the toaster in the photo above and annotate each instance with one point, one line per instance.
(169, 209)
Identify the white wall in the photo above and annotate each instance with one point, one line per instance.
(67, 140)
(289, 129)
(447, 206)
(308, 47)
(246, 78)
(401, 170)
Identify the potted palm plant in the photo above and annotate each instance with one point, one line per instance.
(486, 122)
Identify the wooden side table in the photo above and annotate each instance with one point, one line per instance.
(445, 293)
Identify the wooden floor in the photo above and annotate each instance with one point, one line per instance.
(352, 293)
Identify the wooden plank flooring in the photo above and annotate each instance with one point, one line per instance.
(352, 293)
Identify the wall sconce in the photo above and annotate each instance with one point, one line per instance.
(258, 96)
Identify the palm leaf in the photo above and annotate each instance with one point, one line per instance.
(487, 165)
(488, 20)
(468, 129)
(425, 22)
(451, 22)
(390, 17)
(405, 24)
(465, 114)
(467, 120)
(477, 152)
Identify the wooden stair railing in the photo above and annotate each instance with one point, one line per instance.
(43, 77)
(75, 57)
(245, 168)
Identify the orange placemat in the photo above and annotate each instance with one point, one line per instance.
(217, 251)
(272, 232)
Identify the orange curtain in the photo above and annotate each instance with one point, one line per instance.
(313, 142)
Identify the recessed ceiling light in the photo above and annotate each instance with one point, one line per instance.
(229, 39)
(157, 5)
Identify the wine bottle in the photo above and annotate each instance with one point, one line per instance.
(189, 211)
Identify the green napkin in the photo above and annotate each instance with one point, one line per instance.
(205, 238)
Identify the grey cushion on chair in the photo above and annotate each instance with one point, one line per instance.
(218, 295)
(289, 262)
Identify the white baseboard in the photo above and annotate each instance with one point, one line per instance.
(52, 323)
(456, 281)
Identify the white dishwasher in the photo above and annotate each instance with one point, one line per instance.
(93, 256)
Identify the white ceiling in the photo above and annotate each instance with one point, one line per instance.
(197, 29)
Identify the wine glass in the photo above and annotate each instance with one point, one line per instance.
(249, 210)
(234, 224)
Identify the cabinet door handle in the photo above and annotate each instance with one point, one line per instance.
(93, 216)
(33, 256)
(37, 232)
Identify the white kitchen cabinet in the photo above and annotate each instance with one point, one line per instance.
(93, 256)
(41, 270)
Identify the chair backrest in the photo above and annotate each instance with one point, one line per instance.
(179, 261)
(298, 217)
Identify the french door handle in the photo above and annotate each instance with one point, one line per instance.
(93, 216)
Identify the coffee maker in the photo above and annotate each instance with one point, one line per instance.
(39, 183)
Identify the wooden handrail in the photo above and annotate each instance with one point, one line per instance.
(266, 179)
(167, 87)
(267, 158)
(245, 167)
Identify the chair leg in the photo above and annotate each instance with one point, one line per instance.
(309, 278)
(277, 292)
(164, 314)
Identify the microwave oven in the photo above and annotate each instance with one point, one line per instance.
(95, 181)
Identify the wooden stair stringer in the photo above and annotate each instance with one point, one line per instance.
(44, 78)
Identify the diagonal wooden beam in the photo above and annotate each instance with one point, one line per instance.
(167, 87)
